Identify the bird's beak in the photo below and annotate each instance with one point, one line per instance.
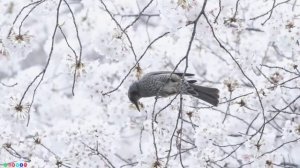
(137, 105)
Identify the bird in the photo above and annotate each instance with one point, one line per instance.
(167, 83)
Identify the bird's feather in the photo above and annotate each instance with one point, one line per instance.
(166, 83)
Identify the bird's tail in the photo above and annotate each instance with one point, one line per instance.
(210, 95)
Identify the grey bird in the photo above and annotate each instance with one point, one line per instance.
(163, 84)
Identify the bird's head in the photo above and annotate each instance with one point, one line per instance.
(133, 94)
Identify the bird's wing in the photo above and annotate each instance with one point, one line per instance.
(162, 82)
(169, 85)
(168, 73)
